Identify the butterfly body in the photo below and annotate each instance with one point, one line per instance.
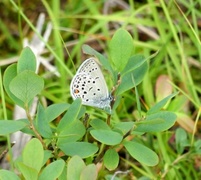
(89, 85)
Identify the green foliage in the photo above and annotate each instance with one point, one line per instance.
(157, 122)
(9, 126)
(9, 74)
(27, 61)
(71, 133)
(123, 127)
(107, 137)
(141, 153)
(82, 149)
(133, 73)
(26, 85)
(32, 161)
(78, 170)
(121, 48)
(181, 140)
(42, 124)
(71, 115)
(20, 81)
(56, 167)
(54, 110)
(35, 148)
(5, 174)
(111, 159)
(129, 143)
(72, 136)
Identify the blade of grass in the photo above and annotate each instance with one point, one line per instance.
(47, 45)
(6, 118)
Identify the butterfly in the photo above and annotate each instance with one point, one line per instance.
(89, 85)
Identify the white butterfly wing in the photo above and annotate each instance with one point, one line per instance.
(89, 84)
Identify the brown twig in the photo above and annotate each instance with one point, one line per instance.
(5, 151)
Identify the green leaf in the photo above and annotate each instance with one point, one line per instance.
(75, 167)
(123, 127)
(27, 61)
(175, 104)
(9, 74)
(82, 149)
(10, 126)
(52, 171)
(26, 86)
(47, 155)
(33, 154)
(107, 137)
(71, 115)
(157, 122)
(27, 172)
(134, 62)
(141, 153)
(89, 173)
(111, 159)
(121, 47)
(54, 110)
(63, 174)
(161, 104)
(71, 133)
(8, 175)
(133, 73)
(42, 124)
(99, 124)
(197, 146)
(181, 140)
(27, 129)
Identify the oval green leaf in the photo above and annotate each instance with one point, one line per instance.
(157, 122)
(52, 171)
(26, 86)
(82, 149)
(27, 61)
(71, 115)
(41, 123)
(27, 171)
(141, 153)
(33, 154)
(5, 175)
(9, 74)
(89, 173)
(121, 47)
(71, 133)
(98, 124)
(111, 159)
(75, 167)
(10, 126)
(123, 127)
(133, 73)
(54, 110)
(157, 107)
(107, 137)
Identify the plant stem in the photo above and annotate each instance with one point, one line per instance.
(33, 127)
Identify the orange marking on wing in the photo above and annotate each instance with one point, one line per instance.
(76, 91)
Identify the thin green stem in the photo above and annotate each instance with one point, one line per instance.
(6, 118)
(33, 127)
(195, 126)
